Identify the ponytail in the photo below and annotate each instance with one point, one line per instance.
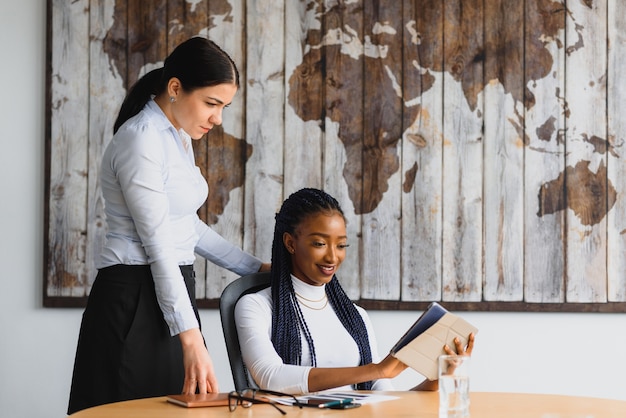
(138, 96)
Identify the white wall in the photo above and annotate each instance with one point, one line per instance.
(525, 352)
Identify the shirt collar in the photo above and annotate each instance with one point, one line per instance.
(162, 122)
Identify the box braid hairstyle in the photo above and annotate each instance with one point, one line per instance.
(287, 318)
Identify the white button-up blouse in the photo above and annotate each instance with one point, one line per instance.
(152, 190)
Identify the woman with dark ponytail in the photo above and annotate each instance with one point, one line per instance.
(303, 334)
(140, 335)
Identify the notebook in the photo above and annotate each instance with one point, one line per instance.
(423, 343)
(199, 400)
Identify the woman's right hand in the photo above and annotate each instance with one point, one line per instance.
(199, 372)
(390, 367)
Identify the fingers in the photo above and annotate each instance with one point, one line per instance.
(202, 386)
(199, 373)
(459, 346)
(212, 385)
(470, 344)
(207, 385)
(189, 386)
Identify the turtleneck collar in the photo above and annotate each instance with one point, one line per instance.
(306, 290)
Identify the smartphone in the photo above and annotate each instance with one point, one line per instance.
(321, 402)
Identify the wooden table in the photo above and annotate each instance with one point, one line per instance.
(409, 404)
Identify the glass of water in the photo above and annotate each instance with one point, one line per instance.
(454, 377)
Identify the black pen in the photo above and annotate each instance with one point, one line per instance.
(330, 404)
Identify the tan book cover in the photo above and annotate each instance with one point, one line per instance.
(421, 346)
(199, 400)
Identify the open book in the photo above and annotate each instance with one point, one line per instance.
(421, 346)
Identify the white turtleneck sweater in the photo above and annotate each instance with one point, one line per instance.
(334, 346)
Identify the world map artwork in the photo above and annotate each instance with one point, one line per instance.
(406, 58)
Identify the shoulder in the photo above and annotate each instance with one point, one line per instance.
(140, 137)
(140, 126)
(259, 302)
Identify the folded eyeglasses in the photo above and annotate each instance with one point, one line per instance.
(247, 397)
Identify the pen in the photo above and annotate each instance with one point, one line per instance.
(335, 403)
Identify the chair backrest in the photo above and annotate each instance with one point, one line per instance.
(231, 294)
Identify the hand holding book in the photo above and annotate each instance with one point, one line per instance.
(421, 346)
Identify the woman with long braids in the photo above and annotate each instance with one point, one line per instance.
(140, 335)
(303, 334)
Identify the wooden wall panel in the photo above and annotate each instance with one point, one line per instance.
(342, 121)
(475, 145)
(503, 151)
(616, 109)
(265, 98)
(463, 53)
(585, 161)
(303, 162)
(381, 150)
(422, 150)
(66, 272)
(227, 149)
(544, 156)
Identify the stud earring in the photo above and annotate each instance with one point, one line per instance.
(172, 99)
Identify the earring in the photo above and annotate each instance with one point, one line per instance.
(172, 99)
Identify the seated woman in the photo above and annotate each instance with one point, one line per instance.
(303, 334)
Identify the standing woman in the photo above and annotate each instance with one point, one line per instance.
(140, 334)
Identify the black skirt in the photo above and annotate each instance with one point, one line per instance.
(125, 350)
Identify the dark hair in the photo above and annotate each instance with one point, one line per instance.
(197, 62)
(287, 318)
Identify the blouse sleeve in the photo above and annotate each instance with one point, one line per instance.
(253, 316)
(139, 168)
(222, 252)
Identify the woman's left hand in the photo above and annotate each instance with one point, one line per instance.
(467, 350)
(433, 385)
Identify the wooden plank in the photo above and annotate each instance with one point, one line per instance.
(228, 151)
(265, 103)
(544, 262)
(66, 273)
(185, 20)
(380, 194)
(585, 176)
(422, 149)
(147, 41)
(106, 93)
(115, 42)
(304, 110)
(343, 126)
(462, 154)
(503, 151)
(616, 158)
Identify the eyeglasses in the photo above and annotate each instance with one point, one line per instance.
(247, 398)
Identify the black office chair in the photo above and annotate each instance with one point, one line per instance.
(231, 294)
